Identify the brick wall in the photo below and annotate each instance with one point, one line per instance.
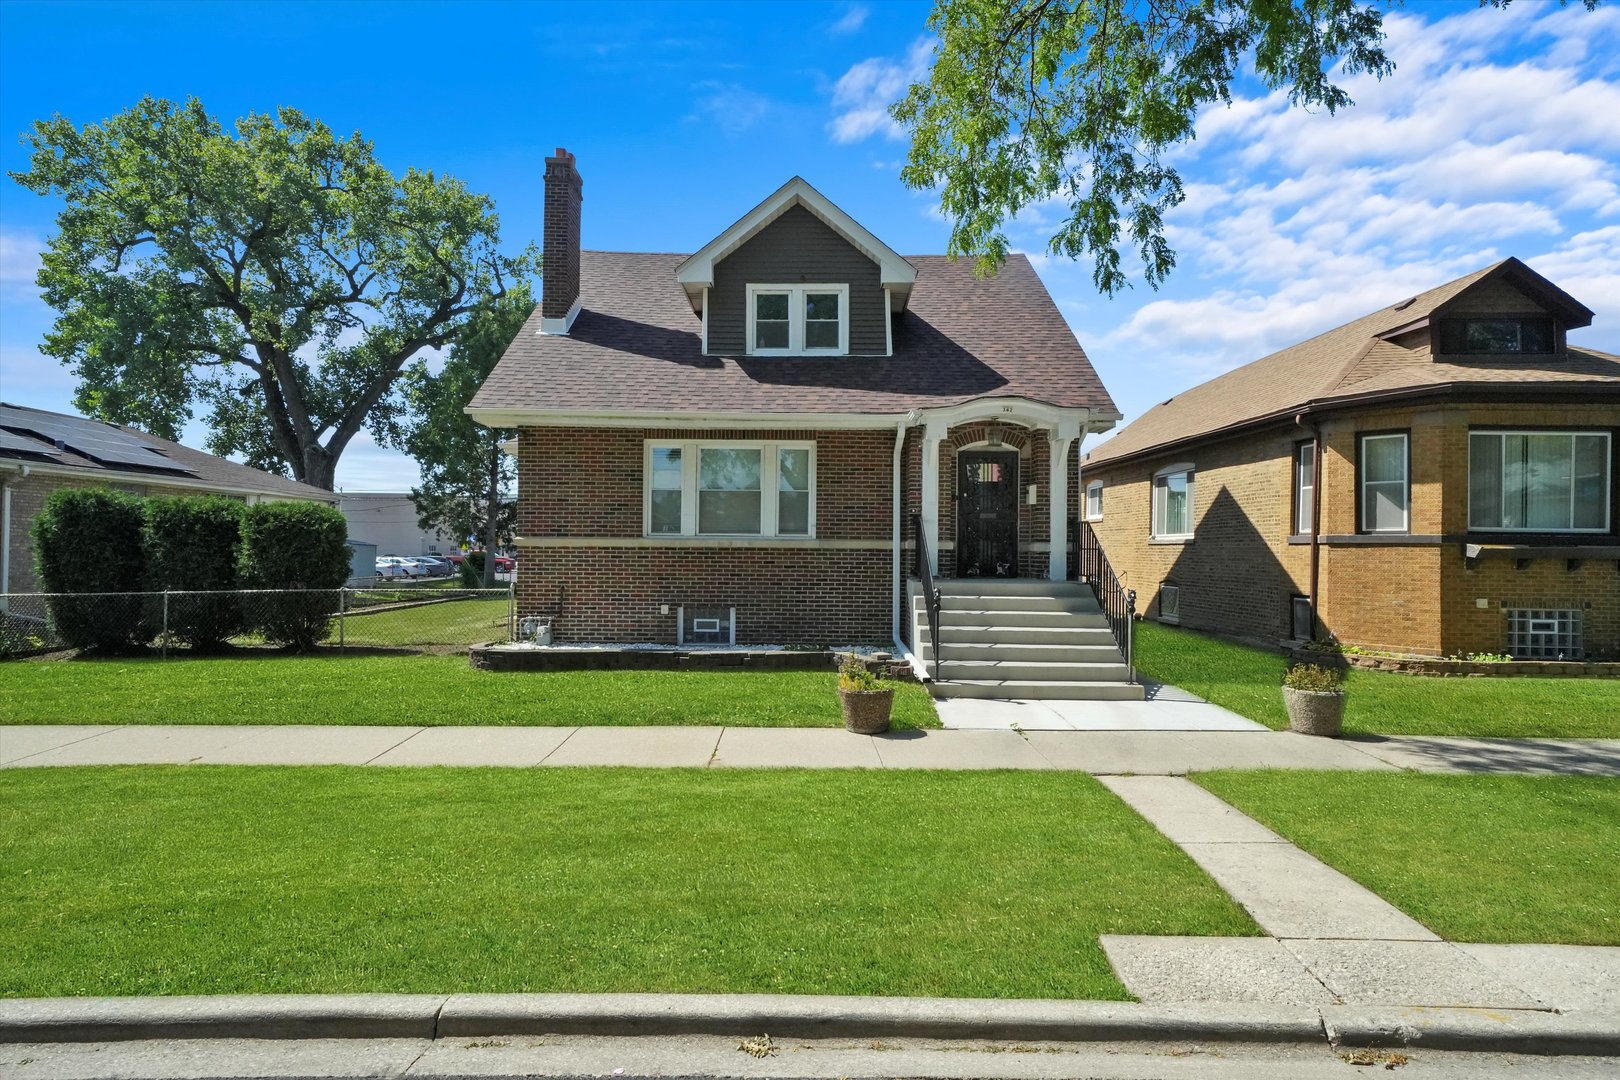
(1410, 593)
(586, 484)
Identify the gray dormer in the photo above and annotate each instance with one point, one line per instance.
(796, 276)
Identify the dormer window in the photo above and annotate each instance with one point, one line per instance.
(1496, 336)
(797, 320)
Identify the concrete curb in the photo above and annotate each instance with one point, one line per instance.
(1500, 1031)
(430, 1016)
(808, 1017)
(266, 1016)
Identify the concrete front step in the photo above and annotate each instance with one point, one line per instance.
(964, 602)
(1034, 671)
(1018, 620)
(985, 651)
(1037, 690)
(953, 634)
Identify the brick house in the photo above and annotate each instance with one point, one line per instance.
(41, 451)
(1438, 477)
(730, 445)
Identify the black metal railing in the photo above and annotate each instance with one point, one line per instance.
(1090, 565)
(930, 591)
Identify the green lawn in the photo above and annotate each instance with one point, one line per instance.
(1474, 858)
(330, 688)
(216, 879)
(453, 622)
(1248, 681)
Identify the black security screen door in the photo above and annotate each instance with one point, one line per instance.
(987, 513)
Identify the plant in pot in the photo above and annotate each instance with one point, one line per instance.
(866, 699)
(1315, 699)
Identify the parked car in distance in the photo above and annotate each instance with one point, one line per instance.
(437, 565)
(408, 568)
(389, 568)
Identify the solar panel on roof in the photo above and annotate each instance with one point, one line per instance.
(99, 442)
(21, 444)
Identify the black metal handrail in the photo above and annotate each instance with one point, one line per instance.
(1118, 603)
(930, 591)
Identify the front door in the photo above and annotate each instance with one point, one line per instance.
(987, 513)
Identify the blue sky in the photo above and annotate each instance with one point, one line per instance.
(1498, 134)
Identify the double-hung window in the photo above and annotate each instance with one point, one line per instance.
(1539, 481)
(795, 320)
(1094, 497)
(1304, 488)
(1385, 483)
(1173, 505)
(730, 488)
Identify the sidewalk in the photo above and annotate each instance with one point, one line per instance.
(1161, 753)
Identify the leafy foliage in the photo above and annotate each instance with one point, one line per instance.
(471, 570)
(190, 544)
(88, 540)
(466, 477)
(294, 545)
(279, 275)
(1079, 101)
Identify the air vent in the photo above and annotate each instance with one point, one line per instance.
(1404, 304)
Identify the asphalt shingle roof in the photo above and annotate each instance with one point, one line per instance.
(636, 346)
(22, 440)
(1346, 362)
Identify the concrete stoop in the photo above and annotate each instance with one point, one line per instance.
(1021, 638)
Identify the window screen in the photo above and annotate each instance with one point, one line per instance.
(1384, 488)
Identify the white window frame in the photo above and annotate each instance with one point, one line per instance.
(1304, 480)
(769, 501)
(1608, 498)
(1095, 487)
(796, 320)
(1406, 481)
(1154, 523)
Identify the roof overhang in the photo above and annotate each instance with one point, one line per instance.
(1569, 310)
(167, 480)
(895, 273)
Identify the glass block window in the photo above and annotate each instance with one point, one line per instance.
(1545, 634)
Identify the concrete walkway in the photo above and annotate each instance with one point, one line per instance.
(1332, 942)
(1164, 753)
(1166, 708)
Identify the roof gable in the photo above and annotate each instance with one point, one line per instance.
(697, 271)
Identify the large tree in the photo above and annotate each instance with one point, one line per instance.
(466, 477)
(1080, 101)
(278, 275)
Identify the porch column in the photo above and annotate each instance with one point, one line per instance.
(933, 434)
(1059, 440)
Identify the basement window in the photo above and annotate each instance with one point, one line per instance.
(1543, 634)
(1169, 603)
(707, 626)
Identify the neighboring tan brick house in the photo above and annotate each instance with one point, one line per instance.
(1438, 477)
(41, 451)
(750, 428)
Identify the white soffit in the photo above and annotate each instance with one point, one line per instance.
(697, 272)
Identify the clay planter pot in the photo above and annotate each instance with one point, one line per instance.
(866, 712)
(1314, 712)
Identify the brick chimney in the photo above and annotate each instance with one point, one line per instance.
(559, 274)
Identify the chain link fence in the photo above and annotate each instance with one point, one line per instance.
(424, 617)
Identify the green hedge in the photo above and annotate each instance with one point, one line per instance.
(472, 570)
(191, 546)
(293, 545)
(88, 540)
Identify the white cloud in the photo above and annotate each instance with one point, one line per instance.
(852, 20)
(862, 95)
(730, 107)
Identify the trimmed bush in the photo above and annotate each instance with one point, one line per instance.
(88, 540)
(293, 545)
(472, 570)
(191, 546)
